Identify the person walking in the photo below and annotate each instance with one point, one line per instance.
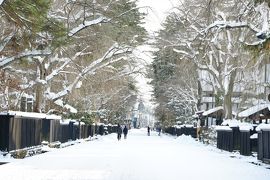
(148, 130)
(125, 131)
(119, 132)
(159, 130)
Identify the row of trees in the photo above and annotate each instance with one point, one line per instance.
(209, 43)
(64, 53)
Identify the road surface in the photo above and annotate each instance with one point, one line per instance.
(139, 157)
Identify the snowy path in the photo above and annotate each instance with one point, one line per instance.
(138, 158)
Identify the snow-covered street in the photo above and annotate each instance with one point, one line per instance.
(139, 157)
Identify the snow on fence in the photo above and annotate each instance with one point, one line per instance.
(245, 143)
(224, 138)
(236, 136)
(188, 130)
(19, 130)
(264, 142)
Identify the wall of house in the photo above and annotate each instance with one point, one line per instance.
(253, 87)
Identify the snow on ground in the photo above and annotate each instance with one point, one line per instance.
(139, 157)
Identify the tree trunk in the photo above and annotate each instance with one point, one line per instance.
(199, 95)
(38, 101)
(41, 71)
(227, 105)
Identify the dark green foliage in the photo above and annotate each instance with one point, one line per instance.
(126, 22)
(261, 1)
(45, 24)
(29, 13)
(163, 64)
(131, 86)
(30, 16)
(57, 30)
(218, 98)
(87, 118)
(173, 76)
(258, 49)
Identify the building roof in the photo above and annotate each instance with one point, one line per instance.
(253, 110)
(31, 115)
(213, 110)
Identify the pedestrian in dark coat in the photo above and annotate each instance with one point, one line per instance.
(119, 132)
(125, 131)
(148, 131)
(159, 130)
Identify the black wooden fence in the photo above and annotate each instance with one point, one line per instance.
(245, 143)
(236, 138)
(182, 130)
(248, 142)
(18, 132)
(225, 139)
(264, 145)
(232, 138)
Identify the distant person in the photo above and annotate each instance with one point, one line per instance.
(119, 132)
(148, 131)
(159, 130)
(125, 131)
(199, 130)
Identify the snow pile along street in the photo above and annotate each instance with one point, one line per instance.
(139, 157)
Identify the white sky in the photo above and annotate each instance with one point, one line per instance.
(156, 11)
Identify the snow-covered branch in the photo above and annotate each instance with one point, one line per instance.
(230, 24)
(6, 40)
(86, 24)
(1, 2)
(102, 62)
(4, 61)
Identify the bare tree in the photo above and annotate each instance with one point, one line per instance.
(213, 35)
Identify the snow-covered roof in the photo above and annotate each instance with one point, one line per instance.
(177, 126)
(199, 112)
(231, 123)
(254, 136)
(195, 115)
(253, 110)
(236, 123)
(77, 123)
(70, 108)
(25, 114)
(263, 127)
(31, 115)
(245, 127)
(210, 111)
(27, 95)
(60, 102)
(53, 116)
(208, 99)
(64, 122)
(223, 128)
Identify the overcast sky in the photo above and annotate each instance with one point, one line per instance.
(157, 11)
